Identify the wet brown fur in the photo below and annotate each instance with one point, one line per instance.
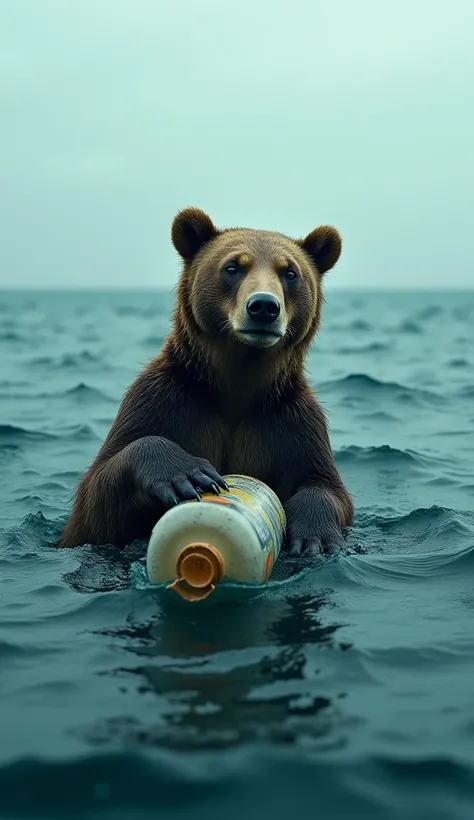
(243, 409)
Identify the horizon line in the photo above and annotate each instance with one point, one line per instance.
(170, 289)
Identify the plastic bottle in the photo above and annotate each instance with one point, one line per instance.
(236, 535)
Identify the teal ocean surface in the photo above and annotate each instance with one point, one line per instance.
(342, 691)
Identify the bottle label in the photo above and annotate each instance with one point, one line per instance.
(261, 507)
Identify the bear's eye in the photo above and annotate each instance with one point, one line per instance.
(231, 269)
(291, 274)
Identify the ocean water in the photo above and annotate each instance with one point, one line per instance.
(342, 691)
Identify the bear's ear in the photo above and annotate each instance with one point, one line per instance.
(324, 247)
(191, 229)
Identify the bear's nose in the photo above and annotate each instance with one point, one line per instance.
(263, 308)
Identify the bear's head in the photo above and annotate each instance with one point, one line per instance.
(251, 287)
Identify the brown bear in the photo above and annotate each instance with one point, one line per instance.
(227, 394)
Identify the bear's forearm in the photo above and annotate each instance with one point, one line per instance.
(317, 515)
(121, 499)
(323, 500)
(105, 505)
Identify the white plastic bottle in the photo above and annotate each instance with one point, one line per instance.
(236, 535)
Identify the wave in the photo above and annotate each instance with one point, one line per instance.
(356, 325)
(13, 433)
(362, 385)
(81, 392)
(388, 457)
(77, 432)
(6, 383)
(32, 534)
(129, 310)
(71, 361)
(420, 517)
(51, 486)
(12, 336)
(126, 784)
(379, 416)
(410, 326)
(466, 392)
(458, 362)
(153, 341)
(365, 568)
(372, 347)
(443, 481)
(11, 651)
(429, 312)
(66, 475)
(84, 392)
(430, 529)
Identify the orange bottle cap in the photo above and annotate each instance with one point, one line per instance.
(199, 568)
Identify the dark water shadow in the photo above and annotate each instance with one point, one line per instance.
(228, 676)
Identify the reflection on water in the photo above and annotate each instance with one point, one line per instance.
(231, 674)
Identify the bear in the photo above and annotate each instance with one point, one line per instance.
(226, 394)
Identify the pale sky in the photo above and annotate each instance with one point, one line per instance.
(114, 114)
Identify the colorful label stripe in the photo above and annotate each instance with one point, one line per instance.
(262, 509)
